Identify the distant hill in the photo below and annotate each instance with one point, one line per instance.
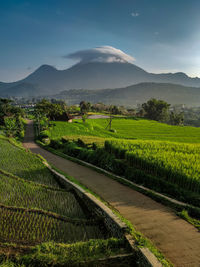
(23, 89)
(136, 94)
(47, 80)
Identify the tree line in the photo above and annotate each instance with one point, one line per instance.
(11, 118)
(153, 109)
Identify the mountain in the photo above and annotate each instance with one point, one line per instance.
(37, 83)
(47, 80)
(135, 94)
(23, 89)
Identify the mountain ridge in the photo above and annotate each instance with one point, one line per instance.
(135, 94)
(47, 80)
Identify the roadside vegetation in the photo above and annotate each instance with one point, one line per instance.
(79, 254)
(157, 155)
(153, 170)
(150, 147)
(35, 210)
(11, 119)
(152, 157)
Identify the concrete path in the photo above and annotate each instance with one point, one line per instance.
(178, 240)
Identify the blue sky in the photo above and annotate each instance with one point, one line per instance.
(162, 35)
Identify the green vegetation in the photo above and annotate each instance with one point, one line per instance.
(139, 150)
(108, 161)
(24, 164)
(11, 119)
(184, 214)
(35, 209)
(183, 168)
(23, 226)
(78, 254)
(156, 110)
(31, 195)
(87, 140)
(9, 263)
(126, 128)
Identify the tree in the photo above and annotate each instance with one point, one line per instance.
(43, 107)
(11, 117)
(84, 117)
(5, 109)
(99, 107)
(84, 107)
(10, 126)
(176, 118)
(141, 113)
(156, 110)
(50, 110)
(115, 110)
(55, 111)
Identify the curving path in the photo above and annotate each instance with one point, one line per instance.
(178, 240)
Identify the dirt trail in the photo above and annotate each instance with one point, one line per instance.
(178, 240)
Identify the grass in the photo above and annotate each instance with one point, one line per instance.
(34, 209)
(169, 154)
(18, 192)
(140, 129)
(77, 254)
(184, 215)
(173, 162)
(126, 129)
(193, 212)
(26, 165)
(9, 263)
(23, 226)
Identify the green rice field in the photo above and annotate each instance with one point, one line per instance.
(168, 154)
(126, 129)
(19, 193)
(173, 162)
(34, 208)
(27, 227)
(24, 164)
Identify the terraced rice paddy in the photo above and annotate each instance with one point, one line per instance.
(19, 193)
(33, 207)
(27, 227)
(25, 165)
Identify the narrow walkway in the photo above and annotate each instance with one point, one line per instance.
(178, 240)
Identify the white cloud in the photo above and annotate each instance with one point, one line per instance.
(101, 54)
(135, 14)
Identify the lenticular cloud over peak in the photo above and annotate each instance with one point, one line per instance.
(107, 54)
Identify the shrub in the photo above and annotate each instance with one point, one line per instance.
(56, 144)
(81, 143)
